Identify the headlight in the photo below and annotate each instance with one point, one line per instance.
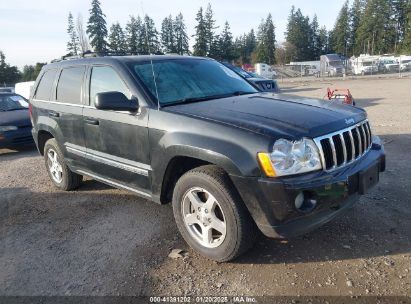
(7, 128)
(291, 157)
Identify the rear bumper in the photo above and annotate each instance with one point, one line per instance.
(271, 201)
(17, 138)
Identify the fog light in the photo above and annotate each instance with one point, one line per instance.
(299, 200)
(305, 202)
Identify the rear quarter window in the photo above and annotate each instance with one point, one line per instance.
(70, 84)
(43, 91)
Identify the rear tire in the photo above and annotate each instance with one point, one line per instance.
(210, 214)
(60, 174)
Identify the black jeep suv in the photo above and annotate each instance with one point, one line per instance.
(191, 131)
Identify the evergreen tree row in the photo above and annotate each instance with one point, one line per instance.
(139, 36)
(373, 27)
(365, 26)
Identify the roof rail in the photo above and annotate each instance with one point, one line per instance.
(90, 54)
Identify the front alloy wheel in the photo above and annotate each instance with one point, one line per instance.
(203, 217)
(211, 215)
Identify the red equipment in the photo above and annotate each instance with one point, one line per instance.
(343, 95)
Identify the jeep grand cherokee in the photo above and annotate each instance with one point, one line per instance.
(190, 131)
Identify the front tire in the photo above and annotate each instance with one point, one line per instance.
(60, 174)
(211, 216)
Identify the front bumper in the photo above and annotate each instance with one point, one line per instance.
(271, 201)
(17, 138)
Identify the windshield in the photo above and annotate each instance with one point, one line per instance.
(189, 80)
(336, 64)
(11, 103)
(406, 61)
(241, 72)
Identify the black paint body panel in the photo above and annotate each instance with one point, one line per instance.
(135, 149)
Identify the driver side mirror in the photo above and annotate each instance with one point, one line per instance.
(116, 101)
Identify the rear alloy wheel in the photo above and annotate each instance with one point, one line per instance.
(54, 165)
(210, 214)
(60, 174)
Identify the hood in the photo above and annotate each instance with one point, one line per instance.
(275, 115)
(18, 118)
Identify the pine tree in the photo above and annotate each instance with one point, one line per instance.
(323, 41)
(73, 43)
(226, 43)
(201, 41)
(97, 27)
(250, 44)
(400, 16)
(133, 35)
(117, 39)
(245, 46)
(209, 24)
(315, 46)
(376, 32)
(149, 37)
(216, 51)
(356, 13)
(239, 48)
(168, 35)
(299, 35)
(265, 51)
(341, 31)
(406, 44)
(181, 37)
(8, 74)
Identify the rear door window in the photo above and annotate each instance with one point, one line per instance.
(105, 79)
(43, 91)
(70, 84)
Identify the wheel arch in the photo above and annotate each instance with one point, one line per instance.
(42, 137)
(181, 163)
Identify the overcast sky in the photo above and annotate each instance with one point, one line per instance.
(35, 30)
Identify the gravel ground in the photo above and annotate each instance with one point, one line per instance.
(103, 241)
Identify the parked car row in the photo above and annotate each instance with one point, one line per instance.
(366, 64)
(15, 124)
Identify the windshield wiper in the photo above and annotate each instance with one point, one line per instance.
(204, 98)
(15, 109)
(238, 93)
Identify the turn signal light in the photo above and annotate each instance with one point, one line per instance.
(265, 164)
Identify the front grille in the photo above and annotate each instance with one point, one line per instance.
(345, 146)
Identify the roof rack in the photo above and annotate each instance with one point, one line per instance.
(90, 54)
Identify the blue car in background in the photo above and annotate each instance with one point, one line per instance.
(15, 123)
(263, 84)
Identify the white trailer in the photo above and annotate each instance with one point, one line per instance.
(24, 88)
(306, 67)
(265, 70)
(405, 63)
(364, 64)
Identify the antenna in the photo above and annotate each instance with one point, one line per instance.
(151, 58)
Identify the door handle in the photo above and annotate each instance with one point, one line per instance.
(54, 114)
(91, 121)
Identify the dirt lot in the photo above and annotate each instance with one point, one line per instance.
(103, 241)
